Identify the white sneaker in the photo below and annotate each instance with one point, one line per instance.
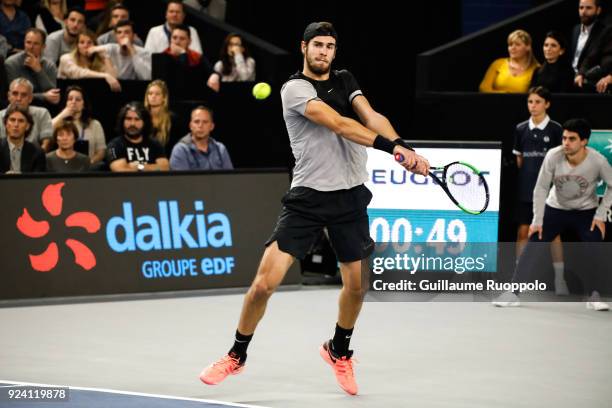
(507, 299)
(595, 303)
(598, 306)
(561, 288)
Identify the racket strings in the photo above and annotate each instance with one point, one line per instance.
(467, 187)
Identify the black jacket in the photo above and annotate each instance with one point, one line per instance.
(596, 31)
(600, 54)
(32, 158)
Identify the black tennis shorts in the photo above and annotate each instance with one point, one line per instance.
(306, 212)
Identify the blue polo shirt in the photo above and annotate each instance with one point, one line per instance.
(186, 156)
(533, 142)
(14, 30)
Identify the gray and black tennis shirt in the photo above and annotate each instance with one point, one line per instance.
(324, 160)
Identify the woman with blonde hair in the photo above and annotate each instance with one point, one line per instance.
(80, 64)
(512, 74)
(50, 16)
(157, 101)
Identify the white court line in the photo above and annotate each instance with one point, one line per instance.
(139, 394)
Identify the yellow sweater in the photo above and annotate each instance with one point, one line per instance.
(499, 79)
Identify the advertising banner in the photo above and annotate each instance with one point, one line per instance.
(91, 235)
(416, 217)
(601, 140)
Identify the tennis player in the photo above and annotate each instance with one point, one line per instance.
(571, 204)
(327, 192)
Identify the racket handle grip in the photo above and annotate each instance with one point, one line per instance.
(399, 157)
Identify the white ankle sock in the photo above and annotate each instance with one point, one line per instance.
(559, 268)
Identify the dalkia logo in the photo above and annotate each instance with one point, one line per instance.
(168, 229)
(53, 201)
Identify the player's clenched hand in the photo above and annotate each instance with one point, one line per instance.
(533, 229)
(410, 157)
(422, 166)
(412, 161)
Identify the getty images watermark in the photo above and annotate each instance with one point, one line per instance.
(425, 271)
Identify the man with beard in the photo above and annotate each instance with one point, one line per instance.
(571, 204)
(134, 150)
(586, 34)
(63, 41)
(327, 193)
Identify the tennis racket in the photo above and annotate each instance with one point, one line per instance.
(463, 183)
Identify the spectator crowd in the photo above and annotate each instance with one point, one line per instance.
(44, 128)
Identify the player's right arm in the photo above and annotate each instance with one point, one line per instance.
(322, 114)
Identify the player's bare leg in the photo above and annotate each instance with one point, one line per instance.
(351, 294)
(272, 269)
(335, 352)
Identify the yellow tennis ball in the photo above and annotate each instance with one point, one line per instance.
(261, 90)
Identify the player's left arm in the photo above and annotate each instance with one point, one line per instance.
(372, 119)
(377, 122)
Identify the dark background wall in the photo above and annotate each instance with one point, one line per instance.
(478, 14)
(378, 42)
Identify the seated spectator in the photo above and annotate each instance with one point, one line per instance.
(556, 74)
(235, 64)
(65, 159)
(90, 137)
(184, 69)
(63, 41)
(30, 64)
(595, 73)
(17, 155)
(130, 60)
(513, 74)
(133, 149)
(20, 94)
(198, 150)
(118, 13)
(79, 63)
(158, 38)
(50, 16)
(13, 24)
(4, 46)
(157, 101)
(587, 33)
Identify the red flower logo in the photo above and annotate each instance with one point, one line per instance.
(53, 202)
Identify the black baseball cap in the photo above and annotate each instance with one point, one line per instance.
(319, 28)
